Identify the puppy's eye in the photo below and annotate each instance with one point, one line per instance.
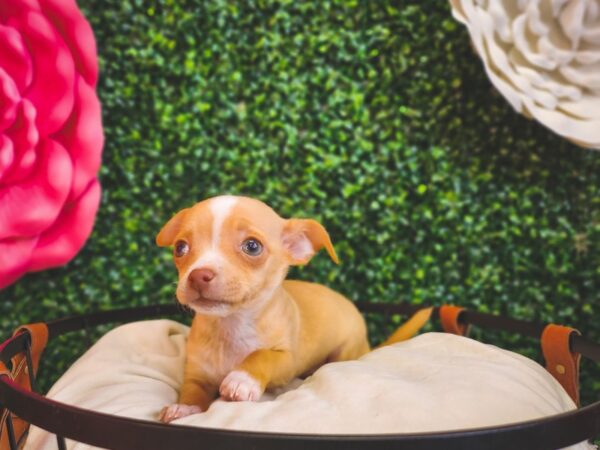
(252, 247)
(181, 248)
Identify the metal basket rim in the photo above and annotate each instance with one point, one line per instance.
(548, 432)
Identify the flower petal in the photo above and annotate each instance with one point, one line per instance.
(584, 132)
(14, 58)
(586, 108)
(15, 255)
(588, 76)
(9, 99)
(7, 154)
(13, 8)
(43, 193)
(571, 19)
(64, 239)
(54, 71)
(25, 138)
(82, 136)
(77, 33)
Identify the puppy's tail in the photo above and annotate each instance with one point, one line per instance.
(410, 328)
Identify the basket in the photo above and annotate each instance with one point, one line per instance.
(21, 406)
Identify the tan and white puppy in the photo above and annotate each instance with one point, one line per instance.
(253, 329)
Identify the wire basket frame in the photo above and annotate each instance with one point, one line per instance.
(18, 402)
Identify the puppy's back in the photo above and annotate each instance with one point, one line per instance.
(332, 328)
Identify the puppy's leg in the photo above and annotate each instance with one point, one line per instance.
(194, 397)
(350, 350)
(196, 392)
(260, 369)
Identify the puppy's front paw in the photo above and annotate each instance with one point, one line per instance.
(240, 386)
(177, 411)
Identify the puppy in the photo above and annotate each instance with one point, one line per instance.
(253, 329)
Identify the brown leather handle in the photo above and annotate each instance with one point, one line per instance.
(561, 362)
(449, 316)
(20, 375)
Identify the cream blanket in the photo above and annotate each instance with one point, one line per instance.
(433, 382)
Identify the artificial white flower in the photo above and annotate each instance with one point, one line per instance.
(544, 57)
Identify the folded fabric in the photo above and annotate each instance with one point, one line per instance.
(433, 382)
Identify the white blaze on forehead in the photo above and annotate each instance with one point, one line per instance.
(220, 207)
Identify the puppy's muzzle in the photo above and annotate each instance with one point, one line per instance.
(200, 279)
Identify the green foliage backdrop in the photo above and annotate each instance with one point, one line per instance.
(374, 117)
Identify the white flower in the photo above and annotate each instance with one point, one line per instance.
(544, 57)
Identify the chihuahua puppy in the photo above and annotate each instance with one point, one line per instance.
(252, 329)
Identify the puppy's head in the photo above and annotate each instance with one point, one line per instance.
(233, 252)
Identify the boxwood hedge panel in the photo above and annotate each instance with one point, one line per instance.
(375, 118)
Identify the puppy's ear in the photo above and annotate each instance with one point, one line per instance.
(302, 238)
(167, 234)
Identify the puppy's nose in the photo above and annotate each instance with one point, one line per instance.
(201, 278)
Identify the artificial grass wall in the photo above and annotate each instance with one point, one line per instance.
(375, 118)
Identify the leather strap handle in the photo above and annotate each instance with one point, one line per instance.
(561, 362)
(449, 316)
(19, 373)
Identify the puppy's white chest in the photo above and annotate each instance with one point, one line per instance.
(225, 349)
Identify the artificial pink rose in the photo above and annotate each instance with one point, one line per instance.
(50, 134)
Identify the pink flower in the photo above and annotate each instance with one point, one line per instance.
(50, 134)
